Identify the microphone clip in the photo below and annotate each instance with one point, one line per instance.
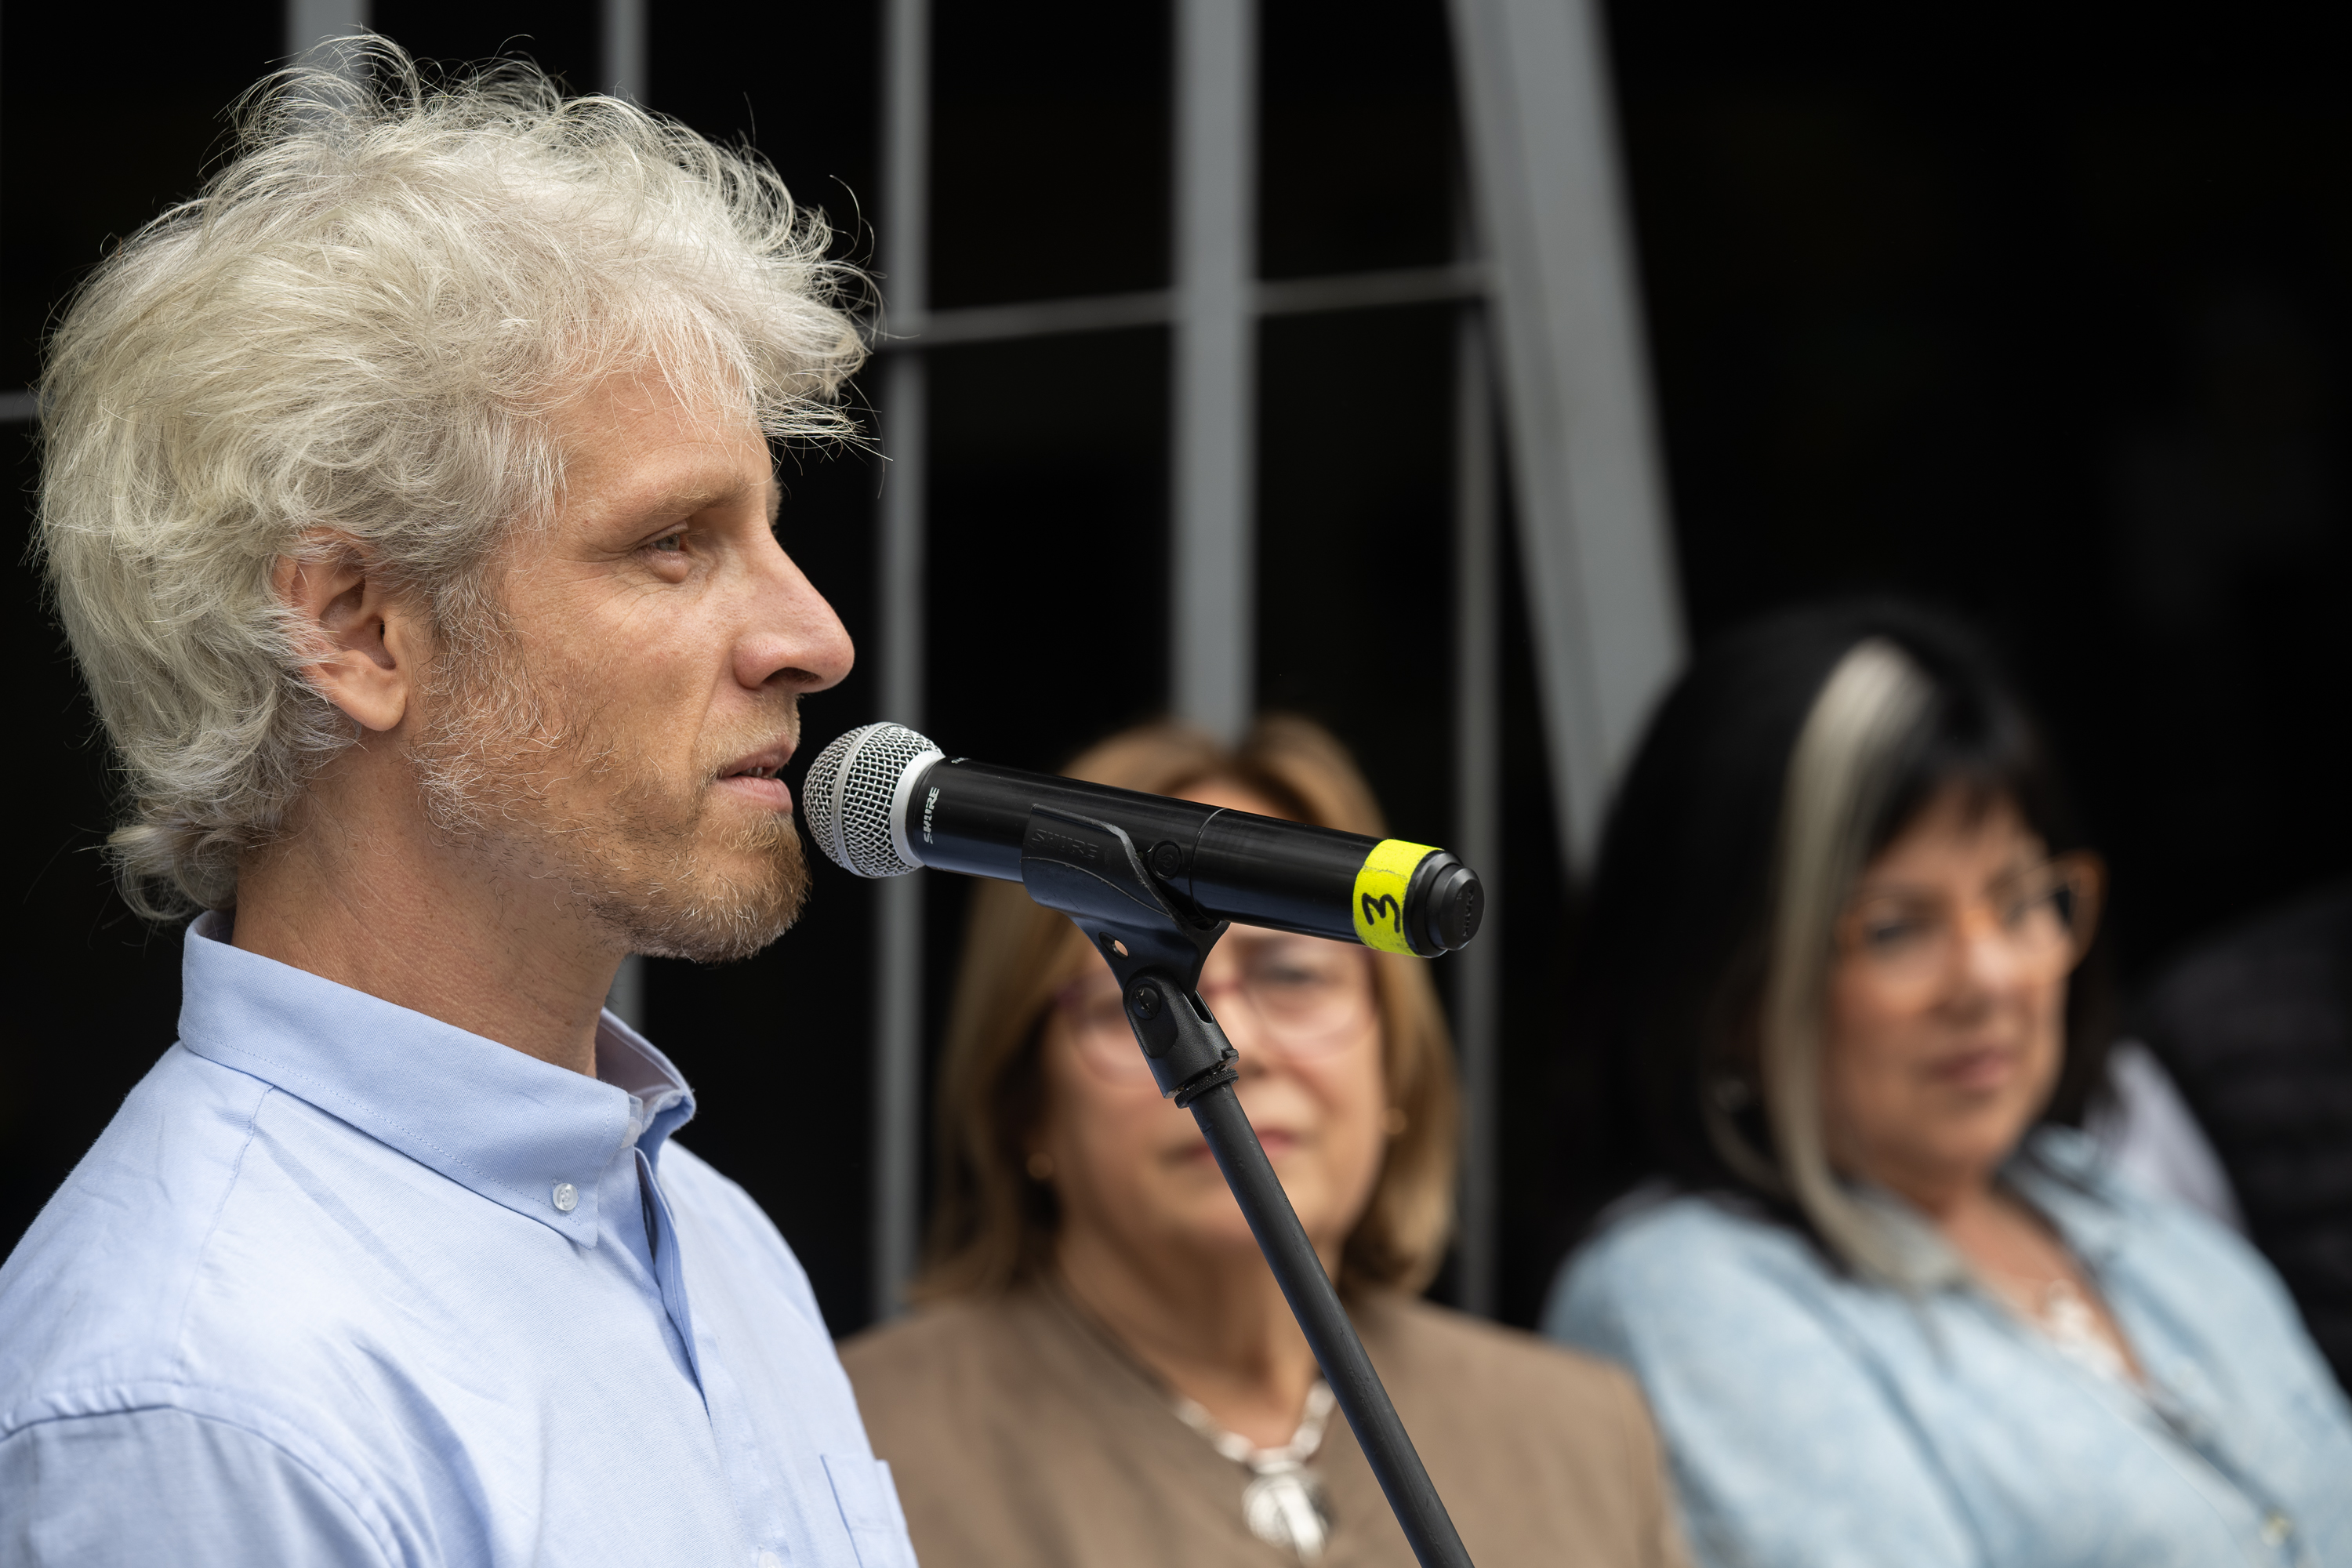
(1091, 871)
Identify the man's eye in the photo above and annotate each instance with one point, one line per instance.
(669, 543)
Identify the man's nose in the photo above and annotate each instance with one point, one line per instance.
(793, 640)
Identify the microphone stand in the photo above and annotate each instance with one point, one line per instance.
(1091, 871)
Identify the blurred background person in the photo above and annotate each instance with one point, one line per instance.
(2145, 1127)
(1104, 1370)
(2256, 1024)
(1884, 1307)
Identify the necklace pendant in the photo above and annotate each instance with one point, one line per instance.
(1286, 1507)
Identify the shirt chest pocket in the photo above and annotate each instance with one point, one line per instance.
(868, 1500)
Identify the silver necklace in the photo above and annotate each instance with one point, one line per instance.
(2070, 1324)
(2065, 1320)
(1284, 1504)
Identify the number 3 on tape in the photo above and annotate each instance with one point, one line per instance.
(1381, 883)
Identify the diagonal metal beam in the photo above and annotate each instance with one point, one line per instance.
(1590, 498)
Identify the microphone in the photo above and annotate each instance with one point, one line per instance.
(882, 801)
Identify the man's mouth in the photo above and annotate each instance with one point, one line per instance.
(764, 764)
(756, 776)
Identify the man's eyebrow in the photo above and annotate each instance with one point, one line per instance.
(686, 500)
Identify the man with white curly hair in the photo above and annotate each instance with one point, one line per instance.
(409, 502)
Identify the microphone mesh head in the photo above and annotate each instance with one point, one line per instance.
(852, 791)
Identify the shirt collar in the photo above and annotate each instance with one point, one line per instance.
(659, 1100)
(2055, 1169)
(524, 1134)
(2065, 1180)
(1922, 1259)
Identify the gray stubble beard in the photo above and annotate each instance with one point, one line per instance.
(637, 865)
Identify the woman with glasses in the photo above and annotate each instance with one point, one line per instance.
(1885, 1308)
(1101, 1369)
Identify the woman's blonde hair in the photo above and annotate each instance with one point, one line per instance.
(994, 1225)
(356, 339)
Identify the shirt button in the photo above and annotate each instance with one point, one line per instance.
(567, 1198)
(770, 1560)
(2277, 1529)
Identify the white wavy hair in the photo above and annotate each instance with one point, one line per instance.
(355, 338)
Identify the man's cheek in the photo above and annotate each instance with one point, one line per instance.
(647, 714)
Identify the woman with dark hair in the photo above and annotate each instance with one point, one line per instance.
(1101, 1369)
(1886, 1309)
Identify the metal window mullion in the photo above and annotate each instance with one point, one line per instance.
(1377, 291)
(624, 48)
(899, 956)
(899, 967)
(310, 23)
(1477, 796)
(1212, 552)
(623, 29)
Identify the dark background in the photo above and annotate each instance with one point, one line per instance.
(2040, 313)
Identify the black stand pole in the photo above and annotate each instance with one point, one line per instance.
(1092, 872)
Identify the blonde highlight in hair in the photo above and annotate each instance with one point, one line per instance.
(1847, 759)
(357, 339)
(994, 1225)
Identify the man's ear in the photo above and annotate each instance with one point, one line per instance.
(366, 640)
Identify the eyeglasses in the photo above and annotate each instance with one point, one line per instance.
(2038, 919)
(1310, 999)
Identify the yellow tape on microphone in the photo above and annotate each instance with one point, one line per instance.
(1381, 883)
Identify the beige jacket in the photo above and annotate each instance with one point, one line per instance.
(1020, 1433)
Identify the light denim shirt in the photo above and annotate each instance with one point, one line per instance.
(343, 1284)
(1815, 1420)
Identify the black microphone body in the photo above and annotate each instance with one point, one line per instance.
(971, 818)
(1229, 864)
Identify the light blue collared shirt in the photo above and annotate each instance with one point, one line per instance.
(345, 1284)
(1813, 1420)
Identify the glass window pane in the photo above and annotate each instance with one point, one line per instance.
(1358, 143)
(1355, 544)
(1049, 151)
